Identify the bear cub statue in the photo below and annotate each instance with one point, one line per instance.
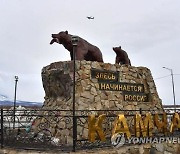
(84, 50)
(121, 56)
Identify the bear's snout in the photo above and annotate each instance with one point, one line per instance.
(115, 49)
(53, 35)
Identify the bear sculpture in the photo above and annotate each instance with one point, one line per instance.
(84, 50)
(121, 56)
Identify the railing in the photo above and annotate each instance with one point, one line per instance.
(52, 129)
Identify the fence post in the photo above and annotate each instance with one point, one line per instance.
(140, 110)
(2, 132)
(74, 133)
(135, 124)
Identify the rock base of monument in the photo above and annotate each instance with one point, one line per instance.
(58, 85)
(98, 86)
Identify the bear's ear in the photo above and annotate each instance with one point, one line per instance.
(120, 47)
(66, 32)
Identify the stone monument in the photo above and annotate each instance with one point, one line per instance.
(98, 86)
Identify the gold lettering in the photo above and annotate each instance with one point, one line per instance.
(134, 88)
(143, 99)
(97, 76)
(126, 97)
(138, 98)
(140, 89)
(128, 87)
(175, 123)
(120, 87)
(134, 97)
(130, 97)
(111, 86)
(95, 127)
(124, 87)
(105, 76)
(101, 75)
(120, 126)
(143, 126)
(107, 86)
(109, 76)
(113, 77)
(103, 86)
(161, 125)
(116, 87)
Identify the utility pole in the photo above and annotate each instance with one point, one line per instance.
(74, 40)
(14, 111)
(173, 89)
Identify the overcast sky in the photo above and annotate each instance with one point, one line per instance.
(149, 30)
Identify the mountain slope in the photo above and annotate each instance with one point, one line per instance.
(20, 103)
(5, 101)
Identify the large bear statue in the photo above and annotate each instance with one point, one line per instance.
(84, 50)
(121, 56)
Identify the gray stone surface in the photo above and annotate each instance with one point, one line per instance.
(58, 85)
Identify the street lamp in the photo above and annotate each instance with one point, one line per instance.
(16, 80)
(74, 41)
(172, 87)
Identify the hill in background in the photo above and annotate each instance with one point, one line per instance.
(4, 101)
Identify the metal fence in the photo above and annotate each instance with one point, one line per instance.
(25, 133)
